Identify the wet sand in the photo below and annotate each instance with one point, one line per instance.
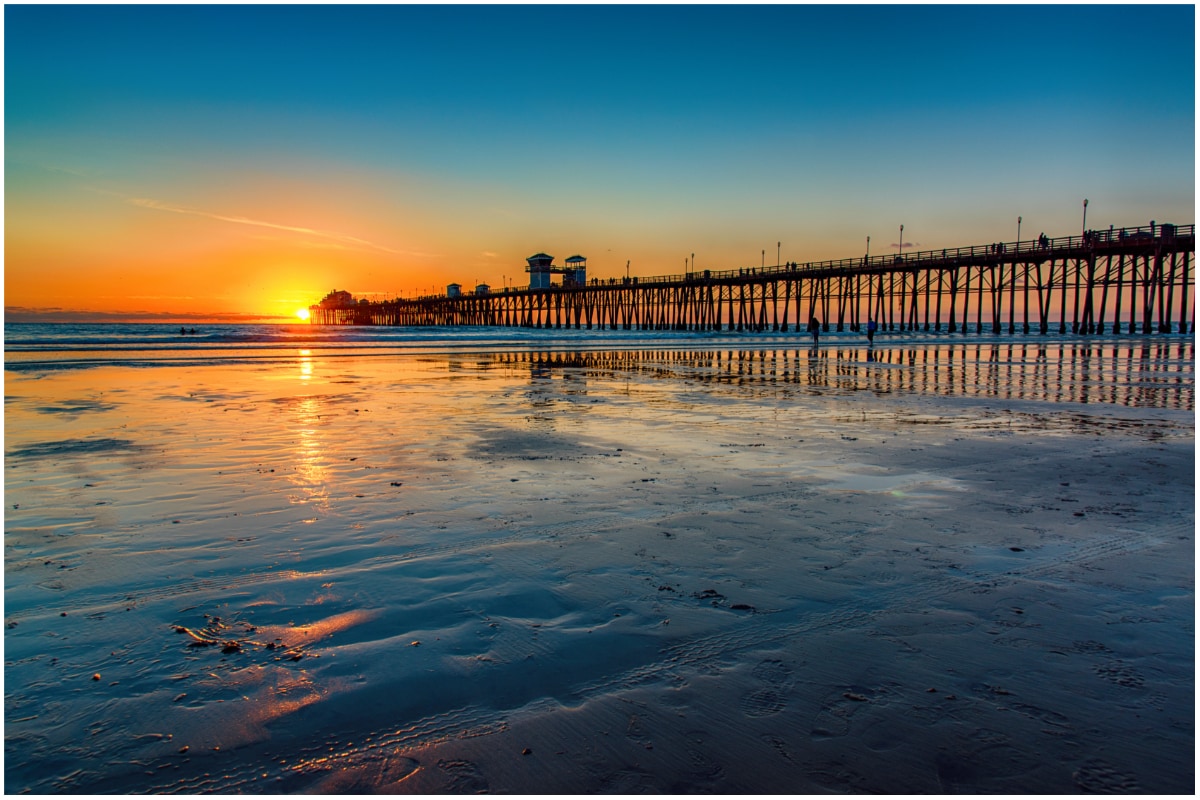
(761, 571)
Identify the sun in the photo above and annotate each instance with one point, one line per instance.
(302, 313)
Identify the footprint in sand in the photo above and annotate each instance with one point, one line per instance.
(1120, 673)
(1059, 721)
(703, 767)
(834, 717)
(367, 776)
(1103, 778)
(628, 781)
(772, 671)
(636, 733)
(1111, 668)
(462, 777)
(762, 703)
(770, 699)
(835, 775)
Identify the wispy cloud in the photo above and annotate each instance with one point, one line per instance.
(78, 173)
(157, 205)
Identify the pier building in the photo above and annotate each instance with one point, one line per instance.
(575, 273)
(539, 268)
(336, 299)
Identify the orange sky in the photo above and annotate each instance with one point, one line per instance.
(189, 161)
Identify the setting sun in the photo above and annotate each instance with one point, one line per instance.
(302, 313)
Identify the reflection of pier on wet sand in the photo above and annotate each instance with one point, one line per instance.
(1146, 373)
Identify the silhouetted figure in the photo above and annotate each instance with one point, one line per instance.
(814, 327)
(871, 331)
(183, 332)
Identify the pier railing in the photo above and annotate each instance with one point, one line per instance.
(1144, 234)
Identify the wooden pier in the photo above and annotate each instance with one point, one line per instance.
(1127, 280)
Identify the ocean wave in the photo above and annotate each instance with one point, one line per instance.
(30, 346)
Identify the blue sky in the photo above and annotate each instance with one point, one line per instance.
(270, 142)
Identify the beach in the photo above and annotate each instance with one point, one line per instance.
(673, 566)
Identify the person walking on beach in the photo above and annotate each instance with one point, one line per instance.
(814, 327)
(871, 331)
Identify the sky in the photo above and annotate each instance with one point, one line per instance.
(239, 162)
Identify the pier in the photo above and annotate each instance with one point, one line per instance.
(1127, 280)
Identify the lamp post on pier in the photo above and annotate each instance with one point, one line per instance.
(778, 245)
(1012, 292)
(901, 258)
(868, 248)
(1084, 230)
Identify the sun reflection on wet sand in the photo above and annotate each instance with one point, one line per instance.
(311, 471)
(241, 706)
(306, 365)
(310, 633)
(242, 701)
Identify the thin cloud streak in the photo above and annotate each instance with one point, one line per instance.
(144, 202)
